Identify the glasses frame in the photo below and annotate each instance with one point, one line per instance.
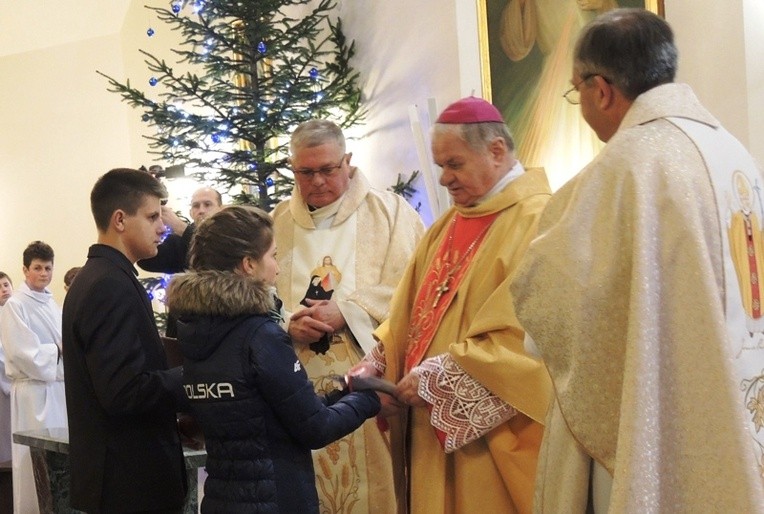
(566, 94)
(324, 171)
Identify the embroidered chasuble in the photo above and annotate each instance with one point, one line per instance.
(468, 321)
(744, 233)
(450, 264)
(639, 292)
(354, 252)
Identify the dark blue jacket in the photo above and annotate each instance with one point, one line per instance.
(253, 400)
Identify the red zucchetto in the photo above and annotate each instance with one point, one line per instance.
(470, 110)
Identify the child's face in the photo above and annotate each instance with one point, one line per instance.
(6, 290)
(267, 266)
(142, 231)
(38, 275)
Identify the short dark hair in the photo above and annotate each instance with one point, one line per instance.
(633, 49)
(5, 275)
(221, 241)
(122, 188)
(70, 274)
(37, 250)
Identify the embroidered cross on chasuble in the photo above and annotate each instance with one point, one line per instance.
(450, 264)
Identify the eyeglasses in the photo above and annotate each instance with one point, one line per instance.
(573, 95)
(324, 171)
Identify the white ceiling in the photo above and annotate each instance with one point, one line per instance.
(27, 25)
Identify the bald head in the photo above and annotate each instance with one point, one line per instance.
(204, 203)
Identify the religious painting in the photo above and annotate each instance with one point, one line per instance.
(324, 279)
(526, 51)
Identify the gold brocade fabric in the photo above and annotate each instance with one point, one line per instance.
(480, 332)
(623, 293)
(354, 474)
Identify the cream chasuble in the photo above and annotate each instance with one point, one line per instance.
(352, 251)
(734, 174)
(624, 291)
(479, 334)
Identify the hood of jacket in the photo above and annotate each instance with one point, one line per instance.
(210, 304)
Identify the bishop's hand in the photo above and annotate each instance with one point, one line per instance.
(407, 391)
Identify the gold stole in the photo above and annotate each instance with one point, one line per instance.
(441, 281)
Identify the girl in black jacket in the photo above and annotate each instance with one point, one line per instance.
(250, 395)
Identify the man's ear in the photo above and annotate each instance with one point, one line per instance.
(118, 220)
(349, 156)
(498, 149)
(605, 93)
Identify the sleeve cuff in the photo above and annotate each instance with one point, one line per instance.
(462, 408)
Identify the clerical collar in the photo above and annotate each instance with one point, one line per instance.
(321, 214)
(511, 175)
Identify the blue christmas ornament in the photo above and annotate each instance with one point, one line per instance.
(150, 32)
(313, 73)
(269, 182)
(176, 8)
(145, 117)
(215, 138)
(261, 47)
(153, 81)
(253, 166)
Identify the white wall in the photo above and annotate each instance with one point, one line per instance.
(60, 130)
(753, 12)
(711, 38)
(407, 52)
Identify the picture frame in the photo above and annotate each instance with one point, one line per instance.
(526, 49)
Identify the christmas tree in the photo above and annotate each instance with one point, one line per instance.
(253, 70)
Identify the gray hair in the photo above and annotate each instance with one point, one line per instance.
(633, 49)
(477, 135)
(313, 133)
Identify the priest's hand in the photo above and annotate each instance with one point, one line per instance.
(407, 391)
(327, 311)
(304, 329)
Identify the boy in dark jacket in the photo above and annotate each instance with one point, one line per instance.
(121, 399)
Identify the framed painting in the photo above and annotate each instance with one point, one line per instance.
(526, 50)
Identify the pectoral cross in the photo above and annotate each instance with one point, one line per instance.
(442, 288)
